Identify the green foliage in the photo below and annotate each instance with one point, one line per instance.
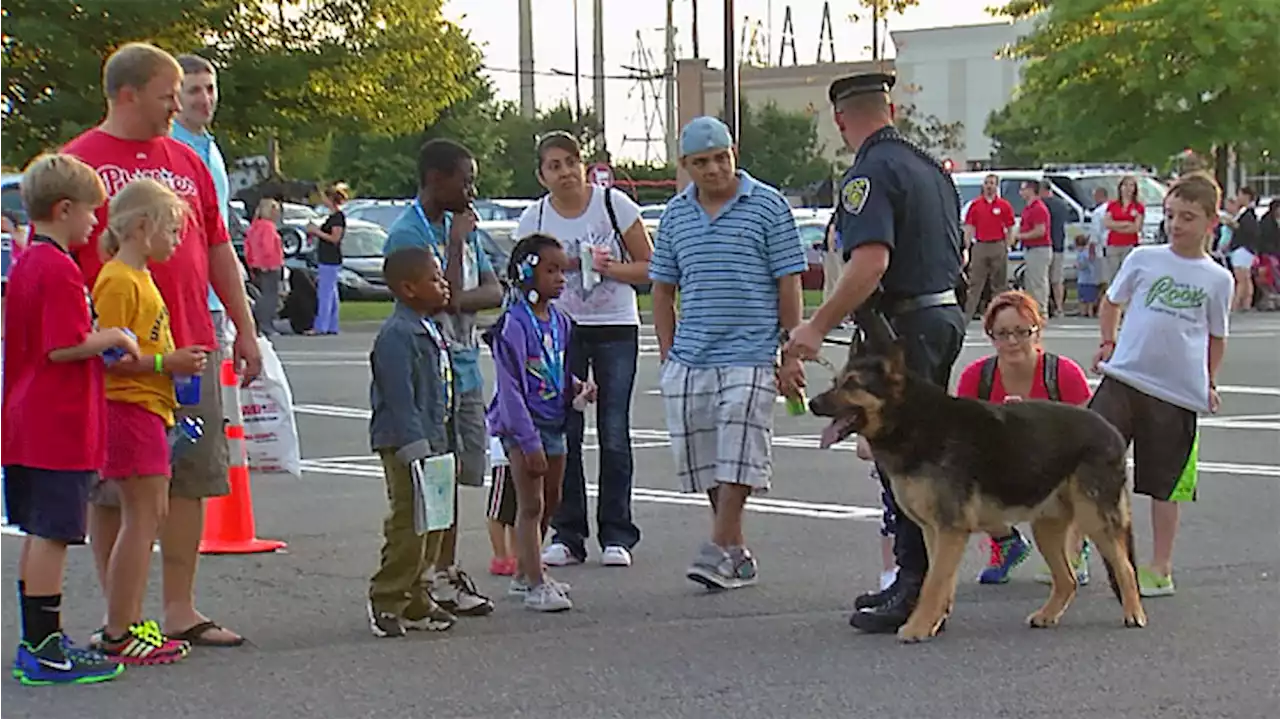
(781, 147)
(1143, 79)
(519, 139)
(928, 131)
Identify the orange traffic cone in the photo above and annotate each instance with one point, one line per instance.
(228, 522)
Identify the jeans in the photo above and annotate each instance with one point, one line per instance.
(327, 299)
(609, 352)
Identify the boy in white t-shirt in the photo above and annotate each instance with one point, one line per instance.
(1160, 373)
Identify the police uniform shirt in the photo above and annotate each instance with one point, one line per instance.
(894, 197)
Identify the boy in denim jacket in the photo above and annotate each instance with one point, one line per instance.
(411, 396)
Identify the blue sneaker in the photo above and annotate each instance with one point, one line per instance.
(58, 661)
(1005, 555)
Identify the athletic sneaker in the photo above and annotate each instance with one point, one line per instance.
(520, 587)
(717, 568)
(1080, 564)
(1153, 584)
(57, 661)
(547, 598)
(455, 591)
(615, 556)
(427, 616)
(559, 555)
(384, 625)
(1005, 555)
(144, 643)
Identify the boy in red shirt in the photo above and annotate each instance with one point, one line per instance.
(53, 383)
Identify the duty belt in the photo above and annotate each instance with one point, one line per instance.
(894, 307)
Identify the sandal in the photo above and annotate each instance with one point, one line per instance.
(196, 636)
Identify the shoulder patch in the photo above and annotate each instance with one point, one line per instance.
(853, 196)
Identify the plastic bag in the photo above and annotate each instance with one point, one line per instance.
(270, 431)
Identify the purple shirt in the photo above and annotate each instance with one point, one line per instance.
(534, 388)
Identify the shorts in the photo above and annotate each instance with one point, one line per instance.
(502, 496)
(1241, 259)
(720, 420)
(137, 442)
(555, 443)
(201, 471)
(1055, 268)
(468, 418)
(1087, 293)
(1112, 258)
(888, 520)
(48, 503)
(1165, 439)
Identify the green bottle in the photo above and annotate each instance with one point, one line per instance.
(797, 405)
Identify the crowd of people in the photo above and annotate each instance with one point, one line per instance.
(132, 214)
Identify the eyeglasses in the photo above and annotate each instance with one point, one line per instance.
(1019, 334)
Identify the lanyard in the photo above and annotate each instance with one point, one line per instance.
(435, 241)
(552, 354)
(446, 366)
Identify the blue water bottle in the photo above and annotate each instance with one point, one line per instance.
(112, 355)
(187, 389)
(184, 435)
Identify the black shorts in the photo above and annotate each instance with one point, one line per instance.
(502, 496)
(1164, 436)
(47, 503)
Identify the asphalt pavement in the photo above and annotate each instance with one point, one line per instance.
(645, 642)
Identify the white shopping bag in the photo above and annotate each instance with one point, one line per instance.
(270, 431)
(433, 490)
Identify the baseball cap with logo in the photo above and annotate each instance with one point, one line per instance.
(704, 134)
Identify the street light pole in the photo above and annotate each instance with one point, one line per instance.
(730, 73)
(577, 68)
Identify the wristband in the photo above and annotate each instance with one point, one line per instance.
(159, 364)
(1108, 343)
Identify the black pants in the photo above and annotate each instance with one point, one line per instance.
(932, 339)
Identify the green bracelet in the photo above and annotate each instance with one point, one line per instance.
(159, 364)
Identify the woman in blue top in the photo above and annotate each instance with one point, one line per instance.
(530, 408)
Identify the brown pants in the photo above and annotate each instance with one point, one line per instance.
(988, 265)
(399, 585)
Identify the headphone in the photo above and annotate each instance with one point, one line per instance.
(525, 270)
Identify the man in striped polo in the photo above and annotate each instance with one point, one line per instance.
(729, 245)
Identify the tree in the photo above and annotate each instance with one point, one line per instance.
(1141, 80)
(781, 147)
(928, 131)
(1013, 139)
(519, 137)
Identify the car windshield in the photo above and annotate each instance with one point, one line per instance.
(382, 215)
(363, 241)
(1150, 191)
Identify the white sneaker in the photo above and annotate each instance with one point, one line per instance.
(558, 555)
(456, 593)
(519, 586)
(615, 556)
(546, 598)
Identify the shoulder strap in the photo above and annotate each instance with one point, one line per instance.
(987, 378)
(613, 221)
(541, 205)
(1051, 377)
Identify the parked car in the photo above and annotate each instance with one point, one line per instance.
(813, 236)
(501, 208)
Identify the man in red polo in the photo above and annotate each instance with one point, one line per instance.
(1037, 244)
(986, 233)
(142, 84)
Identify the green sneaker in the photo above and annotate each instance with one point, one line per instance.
(1080, 565)
(1153, 584)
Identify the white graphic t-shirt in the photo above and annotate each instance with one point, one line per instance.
(1174, 305)
(610, 302)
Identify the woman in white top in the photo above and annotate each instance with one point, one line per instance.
(602, 234)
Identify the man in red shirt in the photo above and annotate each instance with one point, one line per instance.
(1037, 245)
(142, 84)
(986, 234)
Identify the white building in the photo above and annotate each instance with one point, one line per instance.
(958, 74)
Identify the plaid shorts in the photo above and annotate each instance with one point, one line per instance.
(721, 424)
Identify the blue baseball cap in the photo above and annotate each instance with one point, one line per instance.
(703, 134)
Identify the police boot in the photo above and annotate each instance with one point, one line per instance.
(871, 600)
(888, 617)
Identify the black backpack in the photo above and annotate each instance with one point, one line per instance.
(988, 377)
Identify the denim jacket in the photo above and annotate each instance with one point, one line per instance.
(411, 405)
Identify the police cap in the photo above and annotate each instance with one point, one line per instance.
(861, 84)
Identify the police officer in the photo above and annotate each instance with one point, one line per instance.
(899, 222)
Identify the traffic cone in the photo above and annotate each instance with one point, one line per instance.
(228, 521)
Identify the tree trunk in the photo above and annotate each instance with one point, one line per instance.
(273, 157)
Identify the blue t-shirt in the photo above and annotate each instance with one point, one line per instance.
(727, 269)
(409, 230)
(207, 148)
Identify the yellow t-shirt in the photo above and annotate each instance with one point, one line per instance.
(127, 297)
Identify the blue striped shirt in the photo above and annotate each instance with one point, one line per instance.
(727, 269)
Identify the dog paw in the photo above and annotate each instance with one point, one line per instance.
(1135, 621)
(909, 634)
(1042, 620)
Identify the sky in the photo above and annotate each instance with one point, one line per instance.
(493, 25)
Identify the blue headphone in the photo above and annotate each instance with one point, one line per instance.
(525, 269)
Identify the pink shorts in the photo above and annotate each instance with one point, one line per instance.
(137, 442)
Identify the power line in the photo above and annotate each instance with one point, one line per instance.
(554, 72)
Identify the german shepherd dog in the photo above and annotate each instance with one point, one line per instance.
(959, 466)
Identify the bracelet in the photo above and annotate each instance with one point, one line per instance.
(159, 364)
(1108, 343)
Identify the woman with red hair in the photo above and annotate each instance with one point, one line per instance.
(1021, 369)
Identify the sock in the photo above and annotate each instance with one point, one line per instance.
(41, 617)
(22, 616)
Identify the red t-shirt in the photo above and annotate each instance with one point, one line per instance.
(990, 219)
(1124, 213)
(1036, 213)
(54, 412)
(183, 280)
(1073, 386)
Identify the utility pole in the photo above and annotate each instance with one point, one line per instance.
(696, 54)
(669, 86)
(577, 69)
(527, 108)
(597, 82)
(730, 74)
(875, 33)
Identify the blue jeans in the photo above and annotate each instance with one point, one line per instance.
(327, 299)
(609, 352)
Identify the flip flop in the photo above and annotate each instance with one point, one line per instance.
(195, 635)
